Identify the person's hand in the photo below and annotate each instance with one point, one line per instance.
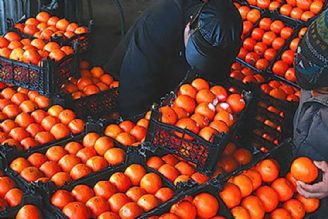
(318, 190)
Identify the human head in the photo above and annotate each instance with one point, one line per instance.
(311, 58)
(212, 34)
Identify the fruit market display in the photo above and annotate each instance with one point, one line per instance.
(285, 66)
(302, 9)
(126, 194)
(265, 41)
(26, 123)
(266, 4)
(245, 74)
(281, 91)
(31, 51)
(44, 26)
(93, 80)
(74, 160)
(250, 16)
(10, 194)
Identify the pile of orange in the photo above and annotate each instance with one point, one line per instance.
(29, 211)
(62, 164)
(12, 46)
(259, 192)
(245, 74)
(203, 110)
(285, 66)
(129, 133)
(232, 158)
(281, 91)
(176, 169)
(266, 4)
(302, 9)
(249, 16)
(202, 205)
(44, 26)
(124, 195)
(10, 195)
(265, 41)
(93, 80)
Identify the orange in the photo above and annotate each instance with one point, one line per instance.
(303, 169)
(135, 172)
(18, 134)
(66, 116)
(79, 171)
(86, 153)
(55, 153)
(206, 109)
(255, 177)
(206, 204)
(37, 159)
(14, 197)
(244, 183)
(170, 159)
(164, 194)
(184, 168)
(82, 193)
(268, 169)
(108, 215)
(169, 172)
(208, 133)
(61, 198)
(135, 193)
(121, 181)
(230, 195)
(310, 204)
(185, 102)
(200, 84)
(48, 122)
(296, 13)
(11, 110)
(199, 178)
(295, 208)
(148, 202)
(127, 125)
(50, 168)
(225, 117)
(151, 182)
(205, 96)
(220, 92)
(187, 89)
(254, 206)
(68, 161)
(29, 211)
(130, 210)
(139, 132)
(55, 110)
(90, 139)
(31, 174)
(304, 4)
(155, 162)
(228, 164)
(117, 201)
(28, 106)
(240, 213)
(125, 139)
(286, 32)
(102, 144)
(113, 130)
(43, 16)
(316, 6)
(284, 188)
(229, 149)
(201, 120)
(19, 164)
(39, 115)
(253, 15)
(168, 115)
(76, 126)
(104, 189)
(114, 156)
(62, 24)
(61, 178)
(98, 205)
(189, 124)
(60, 131)
(184, 210)
(280, 213)
(6, 184)
(73, 147)
(76, 210)
(269, 198)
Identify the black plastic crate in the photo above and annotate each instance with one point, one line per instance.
(46, 78)
(49, 189)
(94, 106)
(207, 188)
(197, 151)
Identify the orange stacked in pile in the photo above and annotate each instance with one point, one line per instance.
(25, 123)
(62, 164)
(29, 211)
(285, 66)
(265, 41)
(176, 169)
(202, 205)
(302, 9)
(249, 16)
(123, 195)
(245, 74)
(266, 4)
(12, 46)
(93, 80)
(10, 195)
(44, 26)
(259, 191)
(281, 91)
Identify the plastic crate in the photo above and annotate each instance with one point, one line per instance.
(46, 79)
(49, 189)
(94, 106)
(197, 151)
(208, 188)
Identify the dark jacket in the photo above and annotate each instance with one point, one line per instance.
(150, 60)
(311, 127)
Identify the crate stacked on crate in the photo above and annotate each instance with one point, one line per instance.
(127, 191)
(197, 120)
(267, 187)
(94, 94)
(52, 28)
